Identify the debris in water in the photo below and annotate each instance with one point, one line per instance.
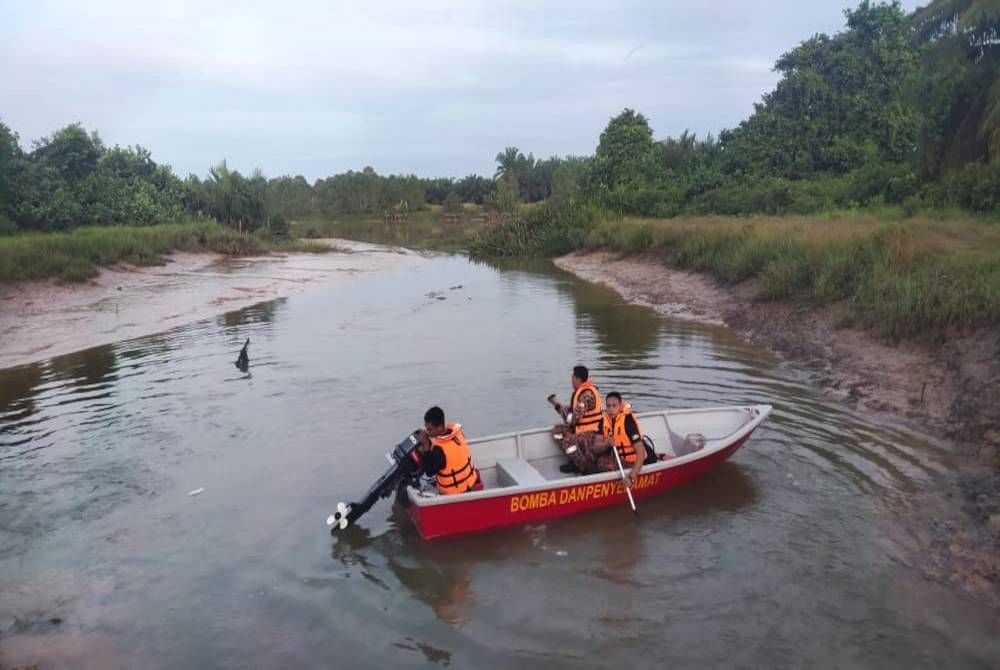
(440, 297)
(243, 360)
(197, 491)
(457, 286)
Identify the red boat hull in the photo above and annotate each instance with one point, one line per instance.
(479, 514)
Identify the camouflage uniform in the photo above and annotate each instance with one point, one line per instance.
(584, 458)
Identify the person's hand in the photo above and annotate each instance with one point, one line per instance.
(423, 439)
(629, 480)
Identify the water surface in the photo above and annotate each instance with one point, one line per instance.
(790, 555)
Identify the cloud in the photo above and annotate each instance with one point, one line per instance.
(435, 87)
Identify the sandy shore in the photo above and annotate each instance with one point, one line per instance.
(41, 319)
(951, 392)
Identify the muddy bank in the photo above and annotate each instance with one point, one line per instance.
(950, 392)
(41, 319)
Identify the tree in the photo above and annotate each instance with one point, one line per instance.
(504, 199)
(474, 188)
(71, 153)
(568, 177)
(958, 90)
(839, 105)
(509, 163)
(976, 22)
(452, 204)
(625, 152)
(10, 151)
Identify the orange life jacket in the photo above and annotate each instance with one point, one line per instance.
(589, 422)
(614, 430)
(458, 474)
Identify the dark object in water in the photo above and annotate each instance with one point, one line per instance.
(243, 361)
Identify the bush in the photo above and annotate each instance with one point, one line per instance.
(975, 187)
(783, 277)
(278, 227)
(452, 204)
(74, 256)
(77, 270)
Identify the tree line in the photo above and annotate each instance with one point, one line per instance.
(71, 179)
(900, 109)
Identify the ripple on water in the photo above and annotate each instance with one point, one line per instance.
(788, 555)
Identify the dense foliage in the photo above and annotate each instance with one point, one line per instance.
(895, 109)
(899, 110)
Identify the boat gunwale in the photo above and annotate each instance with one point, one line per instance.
(762, 411)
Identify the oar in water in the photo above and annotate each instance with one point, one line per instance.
(628, 489)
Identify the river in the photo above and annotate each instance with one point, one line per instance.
(795, 553)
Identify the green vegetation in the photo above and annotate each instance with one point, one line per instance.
(881, 145)
(424, 229)
(898, 110)
(76, 255)
(903, 280)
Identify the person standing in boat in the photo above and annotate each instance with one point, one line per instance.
(581, 419)
(446, 455)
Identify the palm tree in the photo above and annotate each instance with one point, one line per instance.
(509, 162)
(976, 20)
(977, 24)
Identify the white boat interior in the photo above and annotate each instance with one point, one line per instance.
(530, 459)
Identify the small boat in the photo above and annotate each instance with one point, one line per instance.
(523, 483)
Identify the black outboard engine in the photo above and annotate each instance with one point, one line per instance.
(406, 466)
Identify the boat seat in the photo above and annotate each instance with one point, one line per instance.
(517, 472)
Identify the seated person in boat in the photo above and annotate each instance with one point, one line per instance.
(619, 430)
(446, 456)
(582, 418)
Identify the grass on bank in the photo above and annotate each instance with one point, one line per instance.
(75, 256)
(425, 229)
(904, 278)
(913, 278)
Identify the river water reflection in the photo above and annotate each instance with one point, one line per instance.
(790, 555)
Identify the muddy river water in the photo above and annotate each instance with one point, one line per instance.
(795, 553)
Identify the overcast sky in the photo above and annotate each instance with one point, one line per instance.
(429, 87)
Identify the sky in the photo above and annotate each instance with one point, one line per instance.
(433, 88)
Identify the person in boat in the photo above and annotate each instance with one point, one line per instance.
(581, 419)
(446, 455)
(618, 429)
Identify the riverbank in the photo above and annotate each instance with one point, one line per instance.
(44, 318)
(77, 255)
(948, 391)
(429, 229)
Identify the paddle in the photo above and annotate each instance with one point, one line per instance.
(628, 489)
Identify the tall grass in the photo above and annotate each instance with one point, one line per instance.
(911, 279)
(548, 229)
(423, 229)
(76, 255)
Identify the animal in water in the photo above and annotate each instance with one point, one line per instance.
(243, 360)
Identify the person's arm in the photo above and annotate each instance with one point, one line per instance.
(586, 403)
(433, 461)
(632, 430)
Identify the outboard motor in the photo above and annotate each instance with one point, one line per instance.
(406, 467)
